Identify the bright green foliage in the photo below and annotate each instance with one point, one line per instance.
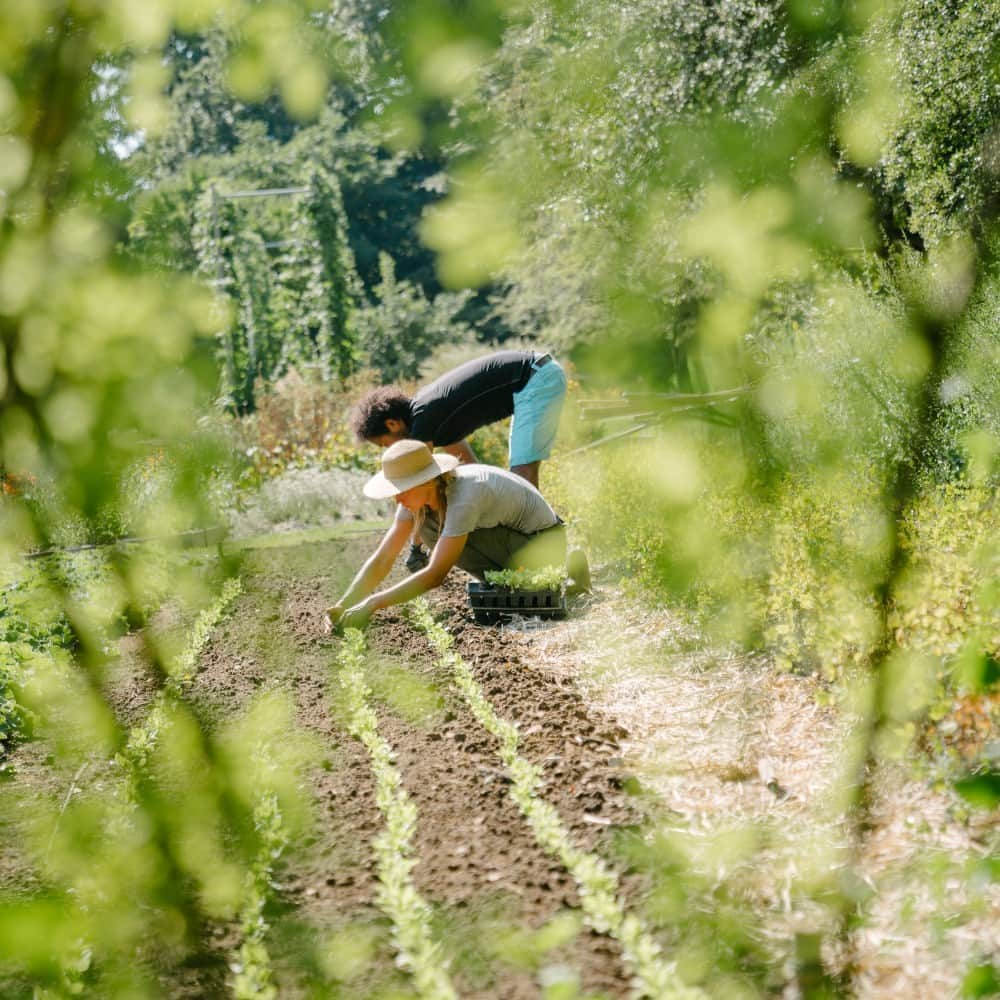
(330, 290)
(981, 790)
(930, 135)
(981, 981)
(798, 198)
(699, 195)
(270, 761)
(243, 792)
(550, 578)
(142, 739)
(596, 106)
(97, 374)
(653, 975)
(290, 310)
(293, 297)
(966, 438)
(212, 133)
(948, 602)
(37, 628)
(31, 628)
(402, 328)
(798, 571)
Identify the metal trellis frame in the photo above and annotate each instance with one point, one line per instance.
(655, 408)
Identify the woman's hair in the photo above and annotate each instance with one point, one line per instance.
(387, 402)
(442, 483)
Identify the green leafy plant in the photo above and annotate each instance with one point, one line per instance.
(604, 911)
(547, 578)
(300, 421)
(402, 327)
(398, 897)
(290, 310)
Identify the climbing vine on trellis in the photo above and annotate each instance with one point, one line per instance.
(289, 271)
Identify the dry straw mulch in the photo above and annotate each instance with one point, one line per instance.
(748, 763)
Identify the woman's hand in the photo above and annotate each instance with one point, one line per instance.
(332, 618)
(357, 616)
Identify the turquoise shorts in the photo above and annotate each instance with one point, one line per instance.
(536, 414)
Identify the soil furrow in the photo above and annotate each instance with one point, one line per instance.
(478, 860)
(507, 914)
(325, 884)
(485, 837)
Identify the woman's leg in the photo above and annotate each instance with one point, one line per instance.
(505, 548)
(491, 548)
(488, 548)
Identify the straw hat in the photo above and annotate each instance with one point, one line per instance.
(406, 464)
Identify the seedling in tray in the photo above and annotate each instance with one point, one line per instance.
(509, 592)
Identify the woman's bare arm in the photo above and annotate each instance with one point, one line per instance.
(444, 556)
(375, 568)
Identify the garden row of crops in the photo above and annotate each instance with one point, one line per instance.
(596, 883)
(264, 817)
(422, 811)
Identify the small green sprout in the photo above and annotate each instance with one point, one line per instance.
(546, 578)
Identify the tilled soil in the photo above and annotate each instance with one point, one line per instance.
(497, 898)
(472, 839)
(479, 866)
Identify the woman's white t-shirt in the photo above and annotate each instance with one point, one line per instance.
(483, 496)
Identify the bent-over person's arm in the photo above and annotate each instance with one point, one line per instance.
(375, 569)
(462, 450)
(445, 555)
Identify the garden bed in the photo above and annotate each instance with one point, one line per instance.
(479, 753)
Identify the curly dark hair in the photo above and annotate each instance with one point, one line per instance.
(387, 402)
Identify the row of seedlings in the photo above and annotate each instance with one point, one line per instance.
(275, 757)
(133, 763)
(397, 896)
(249, 962)
(143, 738)
(652, 975)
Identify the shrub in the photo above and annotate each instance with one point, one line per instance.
(792, 568)
(301, 423)
(402, 328)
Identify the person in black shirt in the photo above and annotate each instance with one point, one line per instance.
(530, 387)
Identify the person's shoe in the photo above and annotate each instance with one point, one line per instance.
(417, 559)
(578, 571)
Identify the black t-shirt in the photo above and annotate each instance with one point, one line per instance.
(470, 396)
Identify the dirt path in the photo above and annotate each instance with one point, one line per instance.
(478, 862)
(747, 762)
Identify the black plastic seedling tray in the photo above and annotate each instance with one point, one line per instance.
(494, 604)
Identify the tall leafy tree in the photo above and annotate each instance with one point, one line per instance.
(794, 198)
(211, 134)
(214, 139)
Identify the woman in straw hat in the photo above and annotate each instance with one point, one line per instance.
(477, 517)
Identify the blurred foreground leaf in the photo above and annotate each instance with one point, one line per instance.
(981, 790)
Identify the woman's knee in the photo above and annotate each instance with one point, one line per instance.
(547, 548)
